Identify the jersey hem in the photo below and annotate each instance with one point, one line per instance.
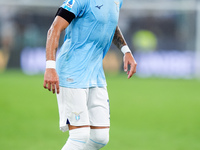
(83, 87)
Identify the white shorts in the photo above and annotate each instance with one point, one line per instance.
(79, 107)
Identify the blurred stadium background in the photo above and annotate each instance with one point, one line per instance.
(160, 106)
(164, 36)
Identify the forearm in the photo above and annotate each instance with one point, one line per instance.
(118, 38)
(53, 37)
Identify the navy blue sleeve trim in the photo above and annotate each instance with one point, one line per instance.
(67, 15)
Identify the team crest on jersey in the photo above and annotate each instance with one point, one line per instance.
(69, 4)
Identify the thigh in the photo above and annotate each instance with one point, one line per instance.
(99, 107)
(72, 104)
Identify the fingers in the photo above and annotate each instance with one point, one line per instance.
(44, 84)
(125, 65)
(51, 80)
(52, 86)
(57, 87)
(132, 70)
(49, 85)
(129, 60)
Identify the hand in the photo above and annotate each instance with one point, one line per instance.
(129, 60)
(51, 81)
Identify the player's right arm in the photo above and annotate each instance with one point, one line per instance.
(51, 80)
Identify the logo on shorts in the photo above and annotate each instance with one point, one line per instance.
(77, 115)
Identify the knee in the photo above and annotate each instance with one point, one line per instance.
(99, 136)
(81, 134)
(77, 139)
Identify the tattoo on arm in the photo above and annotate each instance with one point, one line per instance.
(118, 38)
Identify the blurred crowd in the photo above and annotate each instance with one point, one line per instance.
(147, 31)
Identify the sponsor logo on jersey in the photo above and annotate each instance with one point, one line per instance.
(70, 80)
(99, 6)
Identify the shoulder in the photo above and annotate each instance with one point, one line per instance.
(71, 3)
(77, 7)
(82, 3)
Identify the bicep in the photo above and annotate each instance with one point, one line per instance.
(63, 19)
(59, 24)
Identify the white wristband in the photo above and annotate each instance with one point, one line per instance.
(51, 64)
(125, 49)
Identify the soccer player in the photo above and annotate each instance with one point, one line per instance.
(79, 80)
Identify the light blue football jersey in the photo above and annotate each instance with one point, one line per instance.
(87, 40)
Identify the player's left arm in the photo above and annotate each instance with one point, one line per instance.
(120, 42)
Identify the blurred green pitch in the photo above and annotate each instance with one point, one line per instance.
(146, 114)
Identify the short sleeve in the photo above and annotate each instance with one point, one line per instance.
(77, 7)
